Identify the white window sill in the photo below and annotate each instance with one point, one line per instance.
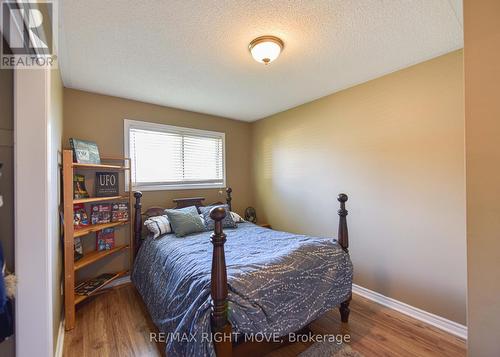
(176, 187)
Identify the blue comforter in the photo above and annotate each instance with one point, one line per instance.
(278, 283)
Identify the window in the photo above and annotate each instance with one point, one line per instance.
(165, 157)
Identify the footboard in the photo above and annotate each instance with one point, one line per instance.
(221, 327)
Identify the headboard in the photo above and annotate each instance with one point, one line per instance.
(158, 211)
(179, 203)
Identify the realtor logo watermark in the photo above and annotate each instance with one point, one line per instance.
(30, 29)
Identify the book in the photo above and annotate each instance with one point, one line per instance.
(87, 287)
(85, 152)
(105, 239)
(78, 249)
(80, 217)
(106, 184)
(79, 189)
(119, 212)
(100, 213)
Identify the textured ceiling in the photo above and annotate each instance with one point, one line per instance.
(193, 54)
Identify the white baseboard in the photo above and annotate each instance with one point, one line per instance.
(437, 321)
(60, 340)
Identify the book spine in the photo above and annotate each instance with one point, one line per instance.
(72, 146)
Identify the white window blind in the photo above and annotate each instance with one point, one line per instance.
(167, 157)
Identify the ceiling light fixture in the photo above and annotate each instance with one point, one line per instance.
(266, 49)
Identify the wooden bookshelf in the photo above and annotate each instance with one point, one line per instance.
(71, 267)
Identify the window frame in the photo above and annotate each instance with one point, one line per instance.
(137, 124)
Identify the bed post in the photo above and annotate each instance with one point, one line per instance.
(137, 220)
(343, 239)
(221, 328)
(228, 197)
(343, 234)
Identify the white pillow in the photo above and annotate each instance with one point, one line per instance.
(237, 218)
(158, 225)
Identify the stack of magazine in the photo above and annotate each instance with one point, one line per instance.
(88, 287)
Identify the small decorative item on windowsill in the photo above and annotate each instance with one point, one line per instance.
(250, 215)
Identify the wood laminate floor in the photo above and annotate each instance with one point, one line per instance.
(117, 324)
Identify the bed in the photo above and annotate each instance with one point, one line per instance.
(210, 292)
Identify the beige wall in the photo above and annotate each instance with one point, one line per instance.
(482, 126)
(100, 118)
(395, 145)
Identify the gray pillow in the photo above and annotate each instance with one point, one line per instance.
(185, 221)
(227, 222)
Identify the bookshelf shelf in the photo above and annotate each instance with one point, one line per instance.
(100, 166)
(72, 267)
(80, 298)
(96, 227)
(100, 199)
(94, 256)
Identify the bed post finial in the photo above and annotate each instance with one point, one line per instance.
(137, 219)
(218, 287)
(229, 190)
(343, 235)
(344, 243)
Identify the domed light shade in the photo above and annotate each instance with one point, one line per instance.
(266, 49)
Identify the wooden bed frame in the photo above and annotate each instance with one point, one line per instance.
(221, 327)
